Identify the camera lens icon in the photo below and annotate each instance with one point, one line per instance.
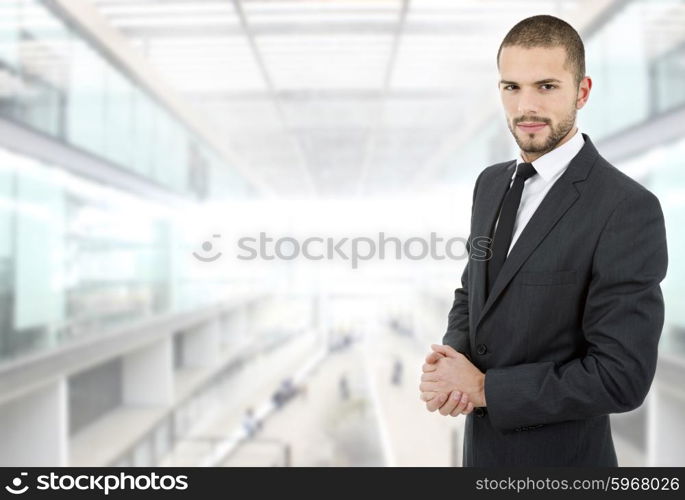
(16, 488)
(207, 247)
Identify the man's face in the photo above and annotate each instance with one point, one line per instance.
(540, 97)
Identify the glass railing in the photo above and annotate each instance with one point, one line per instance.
(669, 79)
(637, 61)
(661, 171)
(78, 258)
(54, 80)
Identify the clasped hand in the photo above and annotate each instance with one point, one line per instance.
(450, 383)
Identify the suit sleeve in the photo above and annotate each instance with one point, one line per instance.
(622, 322)
(457, 334)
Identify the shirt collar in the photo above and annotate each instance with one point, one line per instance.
(552, 163)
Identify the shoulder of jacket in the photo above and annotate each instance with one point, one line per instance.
(495, 169)
(621, 186)
(498, 167)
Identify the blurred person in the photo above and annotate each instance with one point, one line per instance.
(397, 368)
(344, 387)
(557, 322)
(285, 392)
(251, 424)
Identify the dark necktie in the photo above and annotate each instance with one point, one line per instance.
(505, 226)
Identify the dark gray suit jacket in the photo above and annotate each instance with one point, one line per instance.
(570, 331)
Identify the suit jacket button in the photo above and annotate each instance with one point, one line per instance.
(518, 429)
(481, 349)
(479, 411)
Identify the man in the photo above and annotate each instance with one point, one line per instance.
(557, 324)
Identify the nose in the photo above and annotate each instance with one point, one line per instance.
(528, 103)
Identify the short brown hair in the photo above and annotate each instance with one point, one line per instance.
(549, 31)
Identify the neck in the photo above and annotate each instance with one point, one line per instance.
(531, 157)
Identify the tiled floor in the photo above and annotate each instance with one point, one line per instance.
(380, 423)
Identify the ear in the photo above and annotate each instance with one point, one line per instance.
(583, 92)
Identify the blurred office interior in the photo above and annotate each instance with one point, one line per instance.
(140, 140)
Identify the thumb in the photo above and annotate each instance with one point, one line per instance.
(433, 357)
(445, 350)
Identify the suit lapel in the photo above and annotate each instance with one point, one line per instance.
(493, 195)
(556, 203)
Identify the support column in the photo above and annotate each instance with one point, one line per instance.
(201, 345)
(33, 428)
(148, 375)
(666, 407)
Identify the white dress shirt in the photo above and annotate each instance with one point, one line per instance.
(549, 167)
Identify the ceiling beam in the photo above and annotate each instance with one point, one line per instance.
(261, 65)
(297, 29)
(370, 142)
(314, 94)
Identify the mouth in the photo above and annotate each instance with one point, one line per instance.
(531, 127)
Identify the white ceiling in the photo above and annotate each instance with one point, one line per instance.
(338, 97)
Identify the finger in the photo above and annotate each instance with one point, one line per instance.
(469, 409)
(433, 357)
(451, 403)
(430, 387)
(460, 405)
(427, 396)
(436, 402)
(445, 350)
(429, 377)
(429, 367)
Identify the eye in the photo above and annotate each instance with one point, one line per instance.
(509, 87)
(549, 85)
